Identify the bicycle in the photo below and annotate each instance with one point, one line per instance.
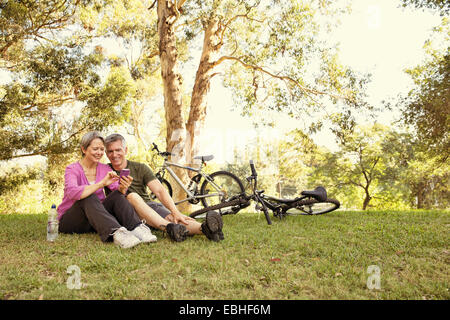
(311, 202)
(216, 188)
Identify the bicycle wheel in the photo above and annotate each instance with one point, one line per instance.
(227, 183)
(166, 186)
(314, 207)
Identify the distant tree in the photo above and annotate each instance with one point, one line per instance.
(422, 178)
(297, 155)
(426, 108)
(358, 165)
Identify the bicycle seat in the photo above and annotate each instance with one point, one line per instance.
(204, 158)
(318, 193)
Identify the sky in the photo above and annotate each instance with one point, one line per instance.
(378, 38)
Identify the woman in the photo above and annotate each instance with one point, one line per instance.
(85, 208)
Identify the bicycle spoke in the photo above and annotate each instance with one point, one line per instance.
(221, 187)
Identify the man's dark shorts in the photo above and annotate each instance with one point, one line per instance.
(159, 208)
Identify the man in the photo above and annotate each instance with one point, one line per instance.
(164, 215)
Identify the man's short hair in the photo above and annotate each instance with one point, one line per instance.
(113, 138)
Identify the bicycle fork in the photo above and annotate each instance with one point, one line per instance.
(261, 206)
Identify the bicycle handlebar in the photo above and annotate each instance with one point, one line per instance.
(163, 154)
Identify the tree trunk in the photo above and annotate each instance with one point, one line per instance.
(366, 199)
(420, 195)
(197, 114)
(172, 81)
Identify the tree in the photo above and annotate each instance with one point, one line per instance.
(53, 75)
(361, 161)
(263, 49)
(230, 35)
(421, 178)
(298, 155)
(427, 106)
(130, 26)
(30, 20)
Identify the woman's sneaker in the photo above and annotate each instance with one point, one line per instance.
(212, 227)
(143, 233)
(177, 232)
(124, 238)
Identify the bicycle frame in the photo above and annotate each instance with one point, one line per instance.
(166, 166)
(264, 202)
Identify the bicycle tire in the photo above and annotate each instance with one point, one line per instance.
(236, 189)
(166, 185)
(314, 207)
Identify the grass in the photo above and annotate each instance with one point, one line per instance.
(323, 257)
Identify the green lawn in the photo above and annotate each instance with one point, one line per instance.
(323, 257)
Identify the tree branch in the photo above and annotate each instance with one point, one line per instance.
(287, 79)
(45, 150)
(49, 103)
(180, 4)
(227, 24)
(153, 4)
(153, 54)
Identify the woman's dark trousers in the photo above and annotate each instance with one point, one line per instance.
(91, 215)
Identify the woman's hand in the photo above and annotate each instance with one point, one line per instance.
(110, 177)
(125, 183)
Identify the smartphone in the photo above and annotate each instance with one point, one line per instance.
(124, 173)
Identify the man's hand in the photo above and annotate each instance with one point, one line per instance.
(125, 183)
(177, 217)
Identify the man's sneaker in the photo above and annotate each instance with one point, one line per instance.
(177, 232)
(124, 238)
(212, 227)
(143, 233)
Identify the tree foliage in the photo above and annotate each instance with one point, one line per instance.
(419, 177)
(427, 106)
(53, 75)
(440, 5)
(266, 50)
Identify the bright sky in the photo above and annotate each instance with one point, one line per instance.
(378, 37)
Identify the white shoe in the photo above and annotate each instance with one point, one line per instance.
(124, 238)
(143, 233)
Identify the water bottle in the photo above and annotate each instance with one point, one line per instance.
(52, 224)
